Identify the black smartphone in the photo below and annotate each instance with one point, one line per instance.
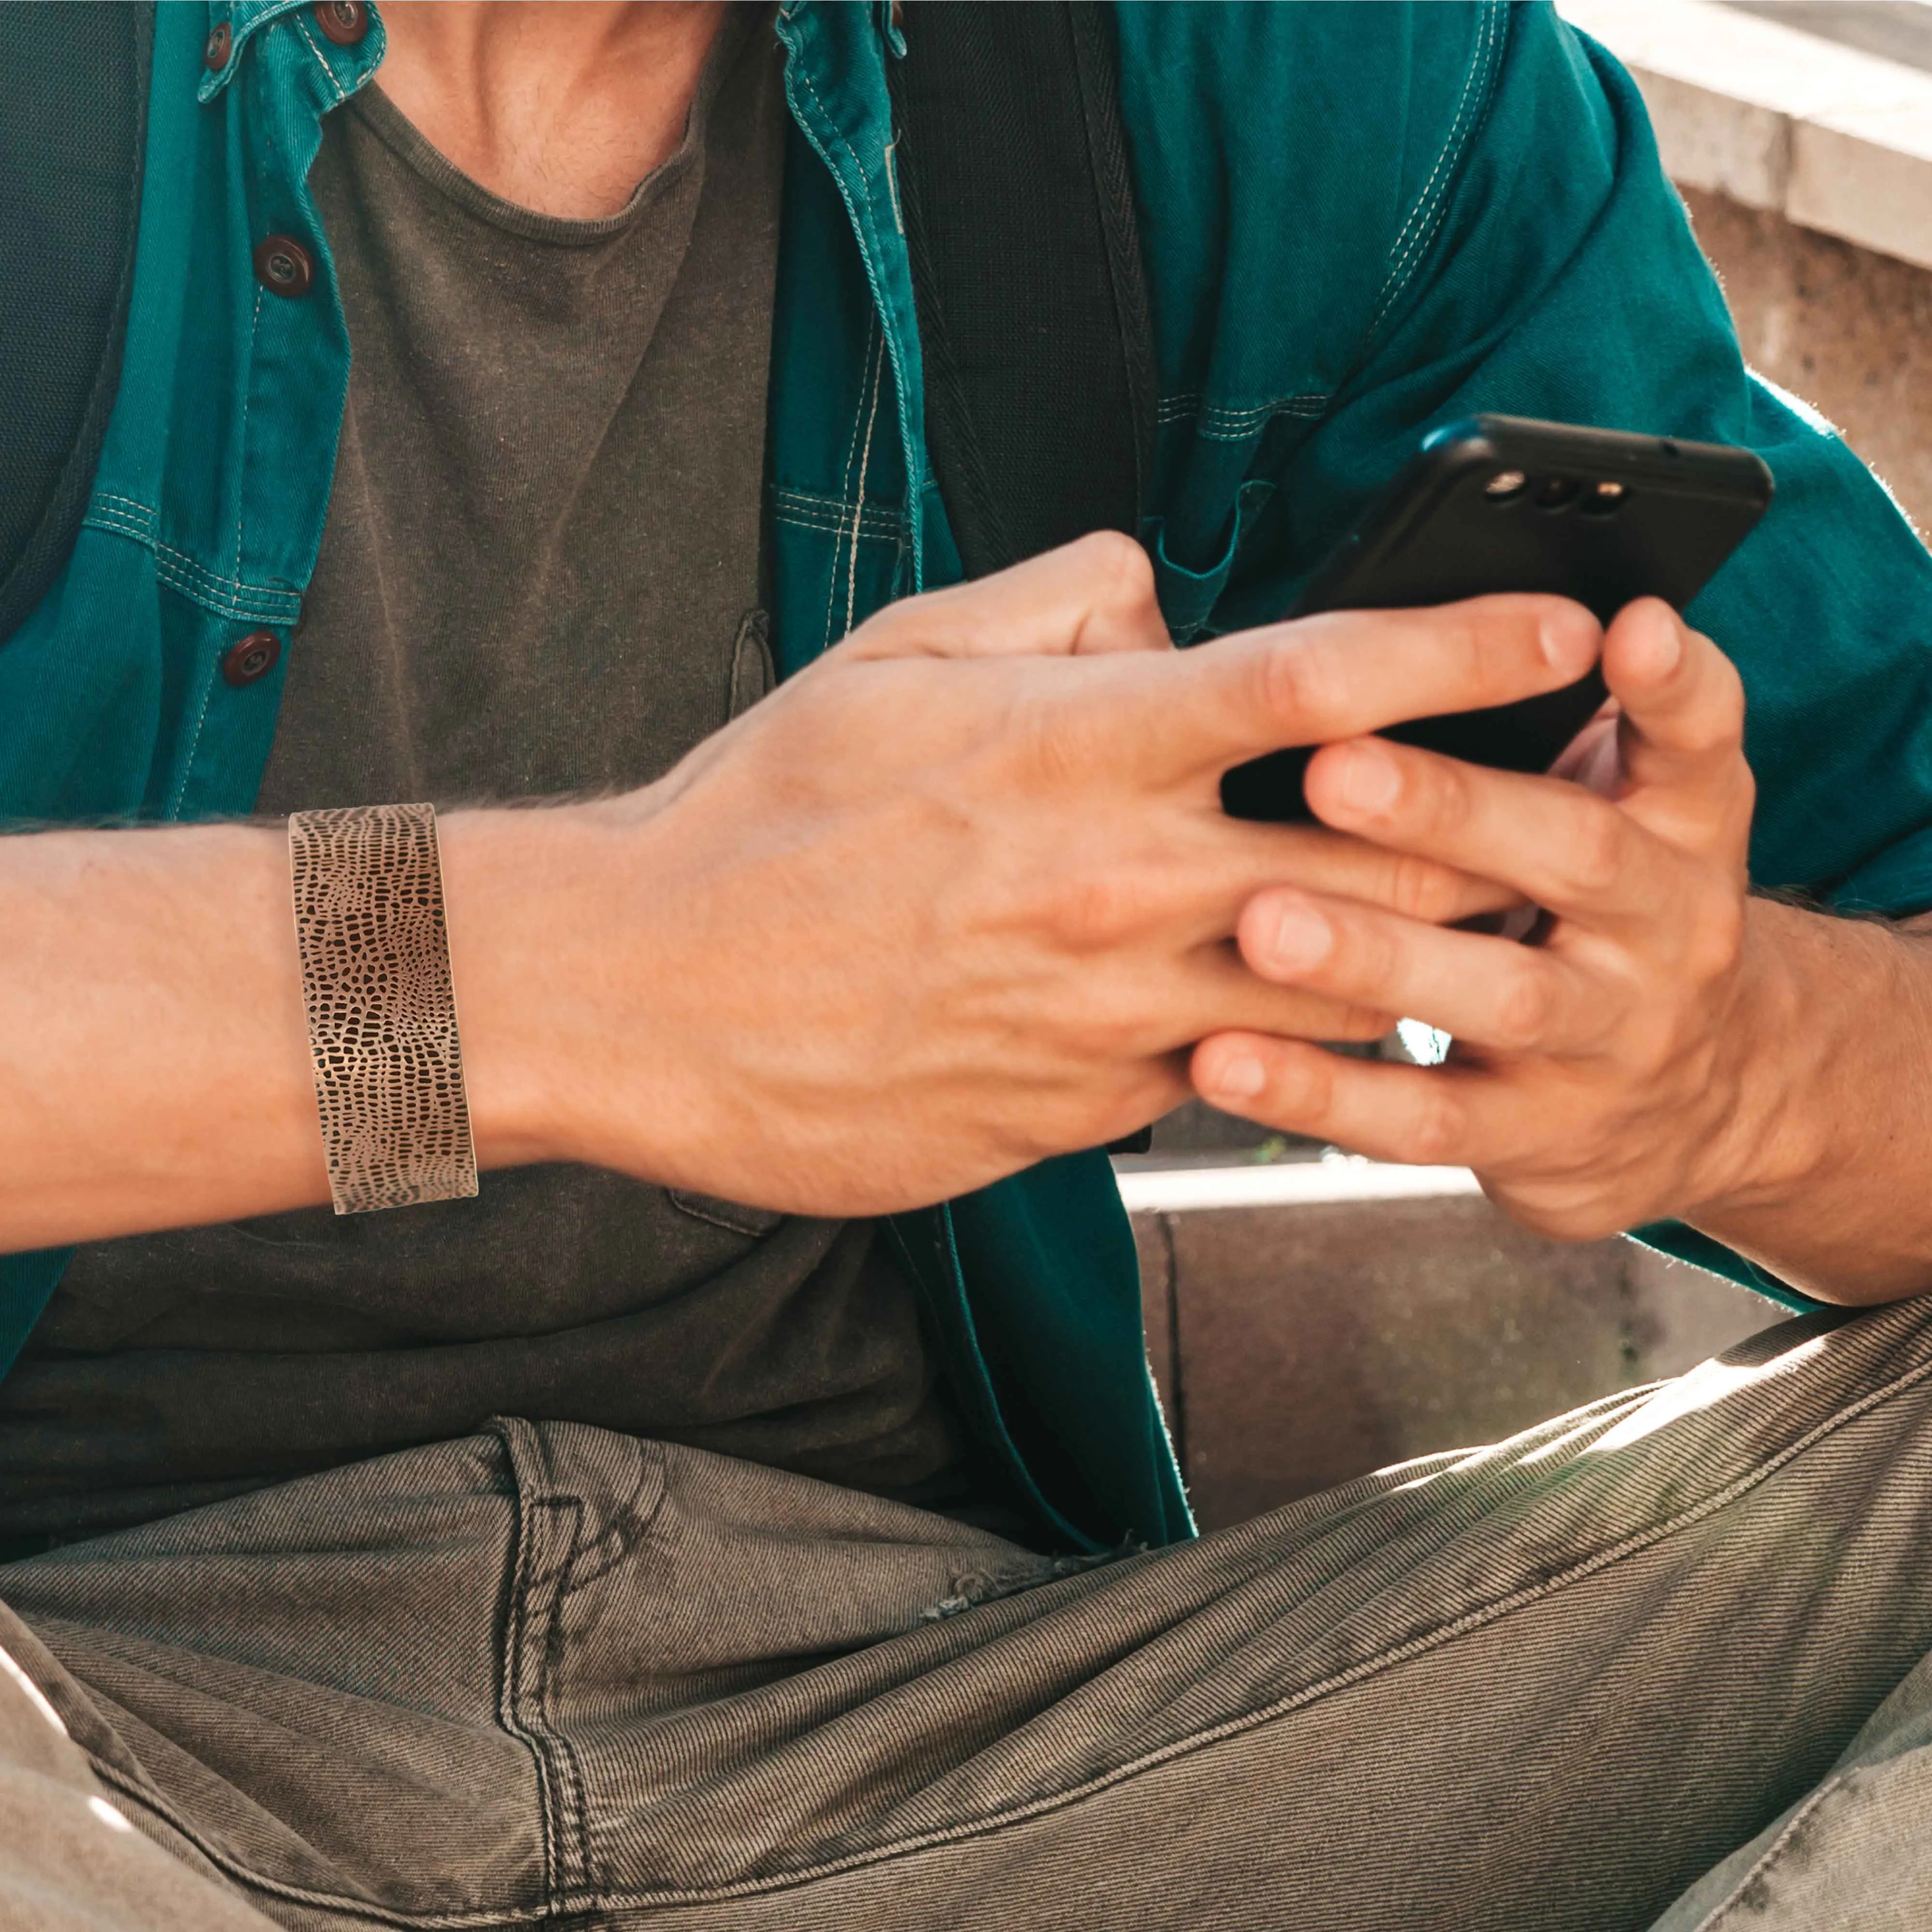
(1498, 503)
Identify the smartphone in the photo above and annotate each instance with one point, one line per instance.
(1498, 503)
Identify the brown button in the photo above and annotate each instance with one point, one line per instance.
(215, 49)
(344, 22)
(251, 657)
(282, 266)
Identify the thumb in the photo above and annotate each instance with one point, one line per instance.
(1093, 595)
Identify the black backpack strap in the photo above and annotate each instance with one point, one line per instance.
(73, 129)
(1033, 315)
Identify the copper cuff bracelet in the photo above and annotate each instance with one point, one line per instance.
(382, 1008)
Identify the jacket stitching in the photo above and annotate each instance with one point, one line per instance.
(1410, 248)
(227, 597)
(248, 398)
(845, 479)
(321, 61)
(859, 497)
(194, 741)
(838, 527)
(862, 215)
(1225, 423)
(834, 513)
(1400, 247)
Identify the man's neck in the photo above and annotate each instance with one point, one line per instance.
(563, 108)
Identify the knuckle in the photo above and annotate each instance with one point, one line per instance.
(1091, 914)
(1436, 1132)
(1714, 937)
(1421, 888)
(1525, 1002)
(1597, 847)
(1435, 793)
(1307, 1088)
(1482, 652)
(1297, 681)
(1124, 567)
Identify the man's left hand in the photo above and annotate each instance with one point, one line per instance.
(1601, 1078)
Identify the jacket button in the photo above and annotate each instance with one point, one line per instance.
(283, 266)
(344, 22)
(215, 49)
(250, 657)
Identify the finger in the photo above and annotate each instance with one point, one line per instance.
(1429, 1117)
(1217, 992)
(1560, 847)
(1347, 673)
(1086, 598)
(1486, 992)
(1219, 864)
(1681, 731)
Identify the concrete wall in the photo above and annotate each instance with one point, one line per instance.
(1296, 1348)
(1849, 330)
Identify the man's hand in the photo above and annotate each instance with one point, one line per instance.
(1598, 1077)
(1670, 1047)
(959, 896)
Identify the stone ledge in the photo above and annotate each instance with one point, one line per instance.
(1310, 1321)
(1831, 138)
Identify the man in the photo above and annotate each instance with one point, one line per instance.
(777, 1591)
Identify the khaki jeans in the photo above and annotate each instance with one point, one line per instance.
(553, 1676)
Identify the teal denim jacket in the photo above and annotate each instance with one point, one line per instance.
(1358, 222)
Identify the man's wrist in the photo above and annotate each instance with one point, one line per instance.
(517, 885)
(1771, 1141)
(1833, 1011)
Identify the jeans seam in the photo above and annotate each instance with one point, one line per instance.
(567, 1902)
(1410, 1647)
(1769, 1857)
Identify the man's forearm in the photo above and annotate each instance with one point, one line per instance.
(154, 1067)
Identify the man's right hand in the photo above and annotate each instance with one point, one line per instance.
(958, 896)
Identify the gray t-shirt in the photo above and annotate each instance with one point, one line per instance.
(540, 574)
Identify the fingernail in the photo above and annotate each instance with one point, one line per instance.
(1368, 780)
(1241, 1078)
(1569, 637)
(1302, 938)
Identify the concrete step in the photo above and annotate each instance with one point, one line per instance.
(1311, 1320)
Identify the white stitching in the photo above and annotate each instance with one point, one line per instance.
(1430, 206)
(226, 598)
(880, 519)
(1224, 424)
(194, 740)
(868, 247)
(845, 480)
(241, 439)
(859, 497)
(321, 61)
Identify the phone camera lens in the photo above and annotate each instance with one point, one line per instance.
(1504, 485)
(1605, 499)
(1555, 493)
